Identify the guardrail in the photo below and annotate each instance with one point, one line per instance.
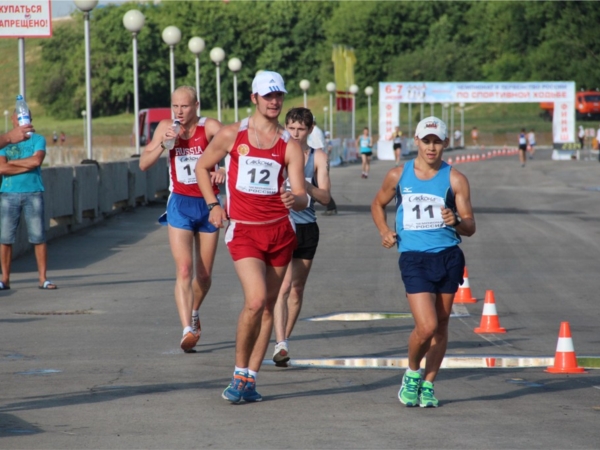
(82, 195)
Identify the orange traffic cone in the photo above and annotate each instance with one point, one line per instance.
(565, 360)
(489, 318)
(463, 295)
(490, 362)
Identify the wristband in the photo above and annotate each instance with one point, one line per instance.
(458, 220)
(212, 205)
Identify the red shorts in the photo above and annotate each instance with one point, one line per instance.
(272, 243)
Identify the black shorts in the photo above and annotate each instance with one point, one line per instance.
(367, 153)
(308, 240)
(397, 146)
(436, 273)
(523, 147)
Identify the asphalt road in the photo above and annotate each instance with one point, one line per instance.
(96, 364)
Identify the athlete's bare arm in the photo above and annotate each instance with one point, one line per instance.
(211, 128)
(217, 149)
(462, 196)
(153, 150)
(322, 193)
(385, 195)
(294, 161)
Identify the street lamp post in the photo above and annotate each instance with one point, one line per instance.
(304, 85)
(369, 91)
(462, 124)
(86, 6)
(196, 46)
(83, 115)
(452, 124)
(217, 55)
(325, 109)
(331, 89)
(6, 113)
(353, 91)
(235, 66)
(171, 36)
(134, 21)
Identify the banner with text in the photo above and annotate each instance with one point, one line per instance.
(25, 18)
(560, 92)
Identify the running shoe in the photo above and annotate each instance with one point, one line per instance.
(196, 324)
(426, 398)
(233, 393)
(281, 355)
(409, 391)
(249, 394)
(189, 341)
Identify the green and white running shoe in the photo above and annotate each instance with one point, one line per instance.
(426, 398)
(409, 391)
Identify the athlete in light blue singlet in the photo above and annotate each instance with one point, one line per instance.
(433, 209)
(365, 149)
(299, 123)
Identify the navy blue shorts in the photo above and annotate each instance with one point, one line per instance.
(187, 213)
(436, 273)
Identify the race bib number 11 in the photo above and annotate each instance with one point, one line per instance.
(422, 212)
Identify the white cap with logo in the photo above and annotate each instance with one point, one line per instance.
(431, 125)
(266, 82)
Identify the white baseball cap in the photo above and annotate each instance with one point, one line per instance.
(266, 82)
(431, 125)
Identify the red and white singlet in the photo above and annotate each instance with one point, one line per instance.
(254, 178)
(182, 163)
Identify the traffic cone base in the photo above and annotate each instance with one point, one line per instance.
(490, 323)
(565, 360)
(464, 295)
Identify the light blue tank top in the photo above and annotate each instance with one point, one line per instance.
(307, 215)
(419, 223)
(364, 144)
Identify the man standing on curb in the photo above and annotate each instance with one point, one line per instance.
(433, 210)
(22, 190)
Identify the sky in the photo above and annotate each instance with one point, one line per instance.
(61, 8)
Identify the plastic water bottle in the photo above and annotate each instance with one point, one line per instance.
(170, 143)
(22, 112)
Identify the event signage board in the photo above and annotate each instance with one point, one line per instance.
(562, 93)
(25, 18)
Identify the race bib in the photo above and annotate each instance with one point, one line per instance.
(422, 212)
(257, 175)
(184, 168)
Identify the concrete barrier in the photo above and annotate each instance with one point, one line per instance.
(78, 196)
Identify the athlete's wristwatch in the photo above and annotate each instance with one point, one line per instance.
(457, 219)
(212, 205)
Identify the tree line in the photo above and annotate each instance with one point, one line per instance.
(393, 41)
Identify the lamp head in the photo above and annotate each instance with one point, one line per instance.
(217, 55)
(134, 20)
(171, 35)
(196, 45)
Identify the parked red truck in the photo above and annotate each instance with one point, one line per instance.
(587, 106)
(148, 120)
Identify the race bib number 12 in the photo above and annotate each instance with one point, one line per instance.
(257, 175)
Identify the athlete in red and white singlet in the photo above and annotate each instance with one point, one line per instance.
(192, 238)
(182, 162)
(254, 179)
(260, 235)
